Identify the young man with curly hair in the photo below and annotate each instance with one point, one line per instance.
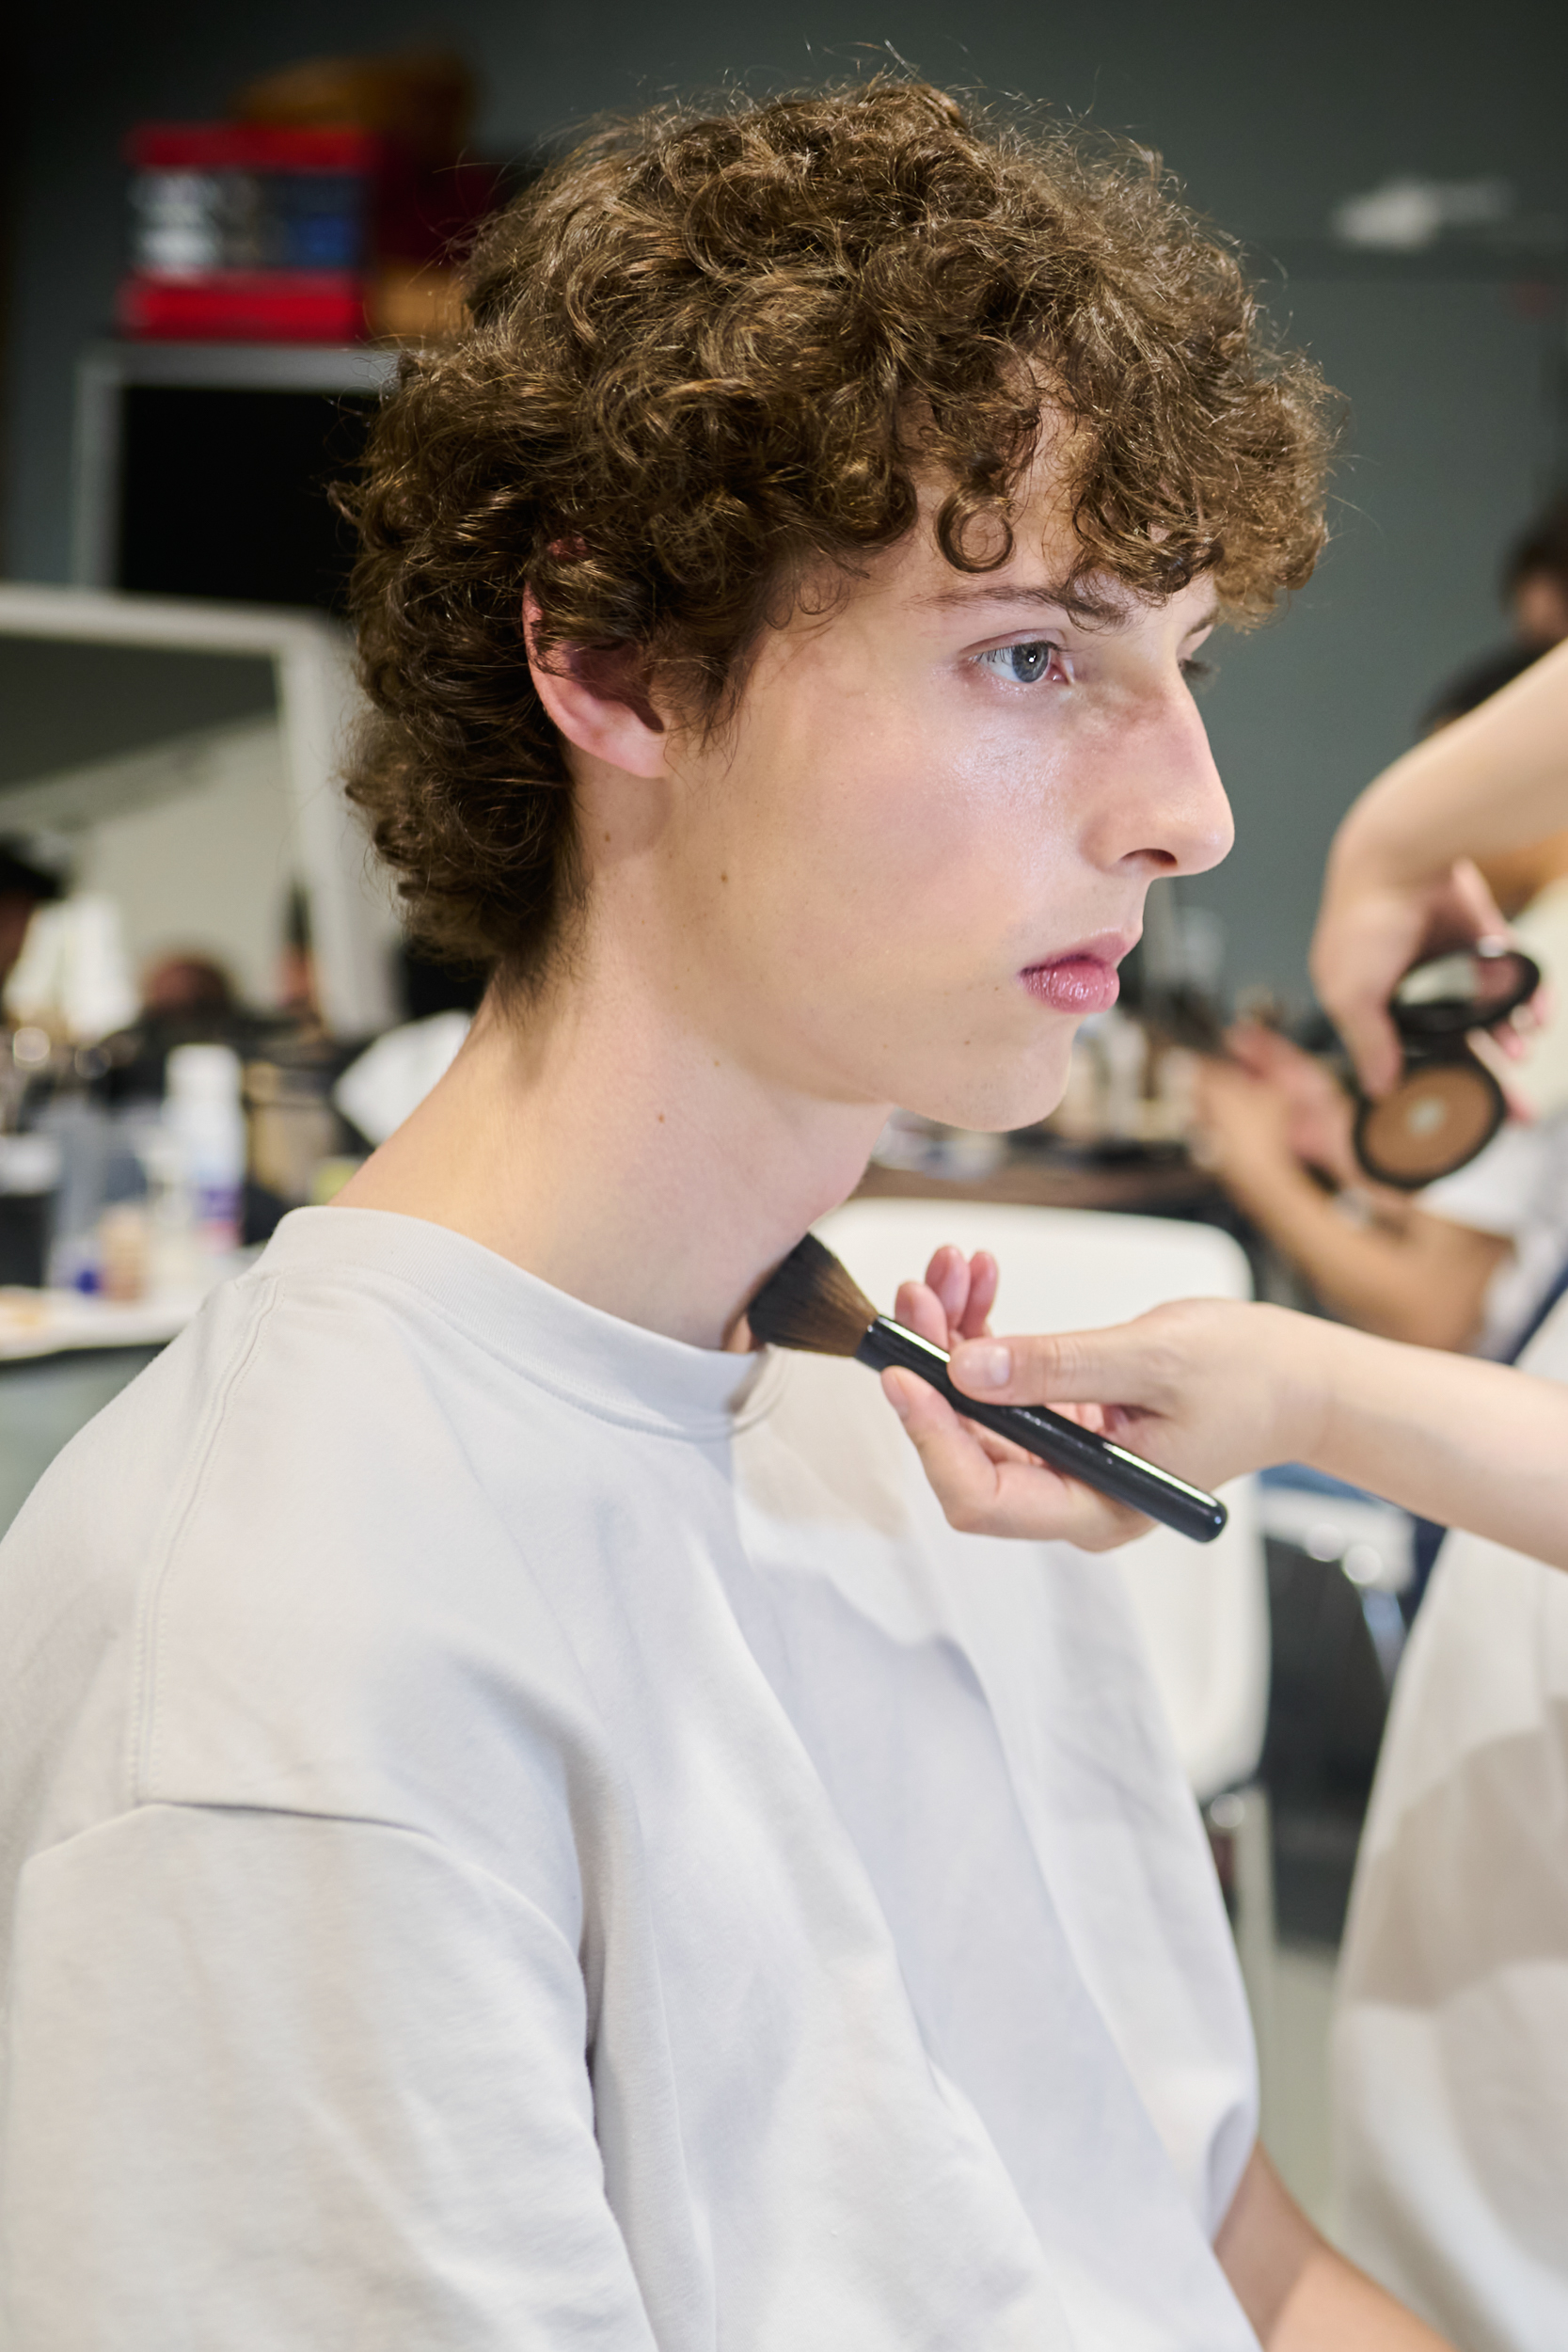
(524, 1825)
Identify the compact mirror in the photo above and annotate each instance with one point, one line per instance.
(1447, 1106)
(1470, 989)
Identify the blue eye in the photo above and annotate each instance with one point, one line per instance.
(1025, 663)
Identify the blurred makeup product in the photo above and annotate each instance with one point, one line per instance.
(1448, 1106)
(248, 230)
(810, 1302)
(204, 1113)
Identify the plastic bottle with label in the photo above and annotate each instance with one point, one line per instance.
(204, 1114)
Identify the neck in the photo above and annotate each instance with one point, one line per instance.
(617, 1153)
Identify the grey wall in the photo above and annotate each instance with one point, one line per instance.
(1455, 433)
(1270, 113)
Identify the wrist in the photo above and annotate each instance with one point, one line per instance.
(1381, 845)
(1272, 1188)
(1313, 1383)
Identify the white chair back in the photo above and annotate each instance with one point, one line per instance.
(1203, 1609)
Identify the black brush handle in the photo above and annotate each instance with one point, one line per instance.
(1078, 1452)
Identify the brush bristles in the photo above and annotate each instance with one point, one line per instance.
(809, 1302)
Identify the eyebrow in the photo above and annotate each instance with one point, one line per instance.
(1061, 598)
(1059, 594)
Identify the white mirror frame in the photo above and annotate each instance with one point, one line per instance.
(352, 926)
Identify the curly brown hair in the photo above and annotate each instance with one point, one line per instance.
(708, 355)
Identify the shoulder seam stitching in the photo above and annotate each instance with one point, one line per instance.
(141, 1726)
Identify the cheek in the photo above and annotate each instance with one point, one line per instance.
(885, 883)
(919, 825)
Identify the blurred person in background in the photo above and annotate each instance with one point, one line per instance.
(187, 998)
(1536, 580)
(1465, 1263)
(185, 985)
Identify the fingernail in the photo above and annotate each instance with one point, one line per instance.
(986, 1364)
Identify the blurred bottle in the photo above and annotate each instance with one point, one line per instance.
(1080, 1116)
(80, 1131)
(292, 1126)
(1123, 1045)
(124, 1251)
(204, 1115)
(175, 1268)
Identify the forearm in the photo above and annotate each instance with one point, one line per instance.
(1299, 2294)
(1212, 1387)
(1334, 2308)
(1470, 1444)
(1372, 1276)
(1497, 780)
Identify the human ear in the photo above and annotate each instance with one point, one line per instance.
(598, 698)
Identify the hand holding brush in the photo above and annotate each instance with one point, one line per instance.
(810, 1302)
(1212, 1387)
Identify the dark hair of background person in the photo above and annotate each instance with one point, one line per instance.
(24, 885)
(709, 358)
(21, 877)
(1535, 578)
(185, 982)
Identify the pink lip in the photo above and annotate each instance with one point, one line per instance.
(1084, 980)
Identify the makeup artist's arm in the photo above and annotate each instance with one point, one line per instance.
(1398, 884)
(1300, 2294)
(1405, 1274)
(1212, 1387)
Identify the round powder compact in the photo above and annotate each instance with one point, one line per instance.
(1438, 1117)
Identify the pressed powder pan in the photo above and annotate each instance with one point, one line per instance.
(1435, 1121)
(1447, 1106)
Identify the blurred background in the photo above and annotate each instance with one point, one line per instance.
(1399, 174)
(216, 225)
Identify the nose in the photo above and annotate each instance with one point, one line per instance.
(1170, 813)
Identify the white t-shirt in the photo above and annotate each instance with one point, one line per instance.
(525, 1834)
(1451, 2041)
(1517, 1188)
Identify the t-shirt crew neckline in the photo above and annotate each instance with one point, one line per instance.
(619, 1371)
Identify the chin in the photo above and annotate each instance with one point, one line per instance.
(1013, 1091)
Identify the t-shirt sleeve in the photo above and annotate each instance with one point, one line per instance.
(274, 2080)
(1497, 1193)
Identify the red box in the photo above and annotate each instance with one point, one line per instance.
(244, 305)
(252, 147)
(251, 233)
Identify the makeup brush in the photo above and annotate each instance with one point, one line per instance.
(810, 1303)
